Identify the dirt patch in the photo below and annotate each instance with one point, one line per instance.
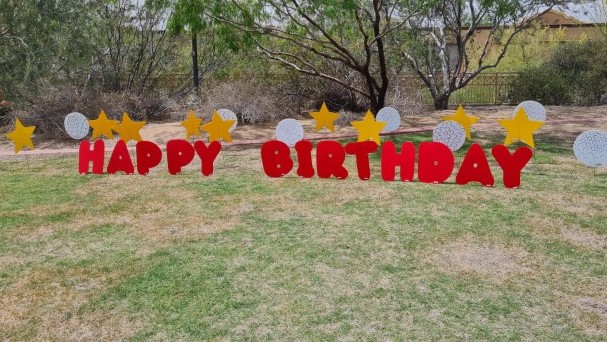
(583, 238)
(492, 261)
(573, 203)
(590, 316)
(594, 305)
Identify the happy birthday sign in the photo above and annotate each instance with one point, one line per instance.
(433, 160)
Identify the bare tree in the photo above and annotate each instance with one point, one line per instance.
(313, 37)
(443, 49)
(134, 46)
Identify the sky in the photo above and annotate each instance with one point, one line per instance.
(588, 12)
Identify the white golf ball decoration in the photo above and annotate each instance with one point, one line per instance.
(289, 131)
(391, 117)
(76, 125)
(534, 110)
(227, 114)
(590, 148)
(451, 134)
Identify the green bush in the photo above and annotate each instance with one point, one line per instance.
(543, 84)
(574, 74)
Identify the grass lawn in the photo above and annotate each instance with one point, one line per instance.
(239, 256)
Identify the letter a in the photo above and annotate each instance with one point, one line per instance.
(475, 168)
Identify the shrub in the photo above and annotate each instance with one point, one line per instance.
(543, 84)
(575, 73)
(253, 99)
(48, 110)
(5, 108)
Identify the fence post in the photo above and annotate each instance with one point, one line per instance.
(496, 89)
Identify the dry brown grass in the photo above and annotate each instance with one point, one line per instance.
(489, 261)
(51, 297)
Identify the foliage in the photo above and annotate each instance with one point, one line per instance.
(529, 48)
(43, 43)
(540, 83)
(321, 38)
(575, 73)
(63, 56)
(132, 47)
(5, 109)
(206, 33)
(100, 45)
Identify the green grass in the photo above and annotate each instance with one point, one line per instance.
(238, 256)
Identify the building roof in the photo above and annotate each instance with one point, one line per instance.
(552, 18)
(557, 18)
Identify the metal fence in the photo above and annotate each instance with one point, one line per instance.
(484, 89)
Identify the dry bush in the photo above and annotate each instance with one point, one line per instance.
(48, 110)
(408, 95)
(405, 95)
(253, 99)
(273, 95)
(5, 108)
(314, 91)
(346, 117)
(277, 95)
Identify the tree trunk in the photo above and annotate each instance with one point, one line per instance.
(373, 104)
(377, 100)
(381, 100)
(441, 101)
(195, 75)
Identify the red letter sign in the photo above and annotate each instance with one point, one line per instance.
(86, 156)
(304, 159)
(512, 164)
(475, 168)
(330, 157)
(276, 158)
(390, 160)
(179, 154)
(149, 156)
(362, 150)
(120, 160)
(436, 162)
(207, 155)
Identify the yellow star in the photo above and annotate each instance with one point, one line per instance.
(324, 118)
(102, 126)
(21, 136)
(520, 128)
(463, 119)
(218, 128)
(368, 128)
(129, 129)
(192, 125)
